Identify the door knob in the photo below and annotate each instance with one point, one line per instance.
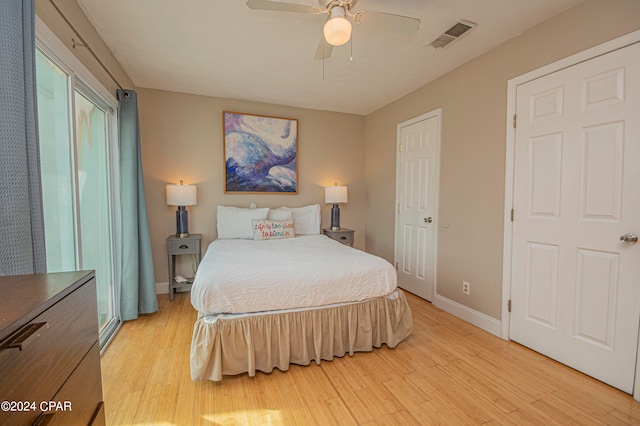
(429, 220)
(629, 238)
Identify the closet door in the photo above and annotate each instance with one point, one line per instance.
(417, 204)
(576, 261)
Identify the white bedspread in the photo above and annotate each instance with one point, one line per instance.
(240, 276)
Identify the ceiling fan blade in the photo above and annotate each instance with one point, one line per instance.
(279, 6)
(324, 49)
(397, 23)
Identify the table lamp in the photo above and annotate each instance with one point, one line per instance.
(181, 195)
(334, 195)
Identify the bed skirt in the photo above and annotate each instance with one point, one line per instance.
(229, 346)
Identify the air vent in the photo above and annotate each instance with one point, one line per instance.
(452, 34)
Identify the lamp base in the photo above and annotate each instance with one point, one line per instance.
(182, 222)
(335, 217)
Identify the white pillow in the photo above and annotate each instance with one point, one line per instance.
(273, 229)
(306, 219)
(282, 213)
(235, 222)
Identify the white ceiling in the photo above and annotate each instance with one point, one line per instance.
(222, 48)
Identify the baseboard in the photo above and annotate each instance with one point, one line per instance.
(162, 288)
(474, 317)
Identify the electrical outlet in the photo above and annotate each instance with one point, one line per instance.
(466, 287)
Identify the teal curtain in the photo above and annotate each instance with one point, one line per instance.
(138, 288)
(21, 213)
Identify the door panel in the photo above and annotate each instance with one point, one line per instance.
(542, 283)
(601, 184)
(545, 170)
(596, 296)
(94, 204)
(56, 164)
(574, 289)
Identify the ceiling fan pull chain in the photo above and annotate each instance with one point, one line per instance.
(351, 45)
(323, 61)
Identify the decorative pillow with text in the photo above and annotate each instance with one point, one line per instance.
(265, 229)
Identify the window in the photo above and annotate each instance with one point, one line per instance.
(77, 123)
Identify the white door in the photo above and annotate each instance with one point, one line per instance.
(575, 286)
(416, 209)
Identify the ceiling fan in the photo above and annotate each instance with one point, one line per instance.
(337, 28)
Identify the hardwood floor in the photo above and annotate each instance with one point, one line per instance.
(447, 372)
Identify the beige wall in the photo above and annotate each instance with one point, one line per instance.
(182, 139)
(473, 99)
(73, 12)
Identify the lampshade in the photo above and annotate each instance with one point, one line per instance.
(337, 30)
(181, 195)
(335, 194)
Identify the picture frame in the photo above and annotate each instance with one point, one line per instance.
(260, 154)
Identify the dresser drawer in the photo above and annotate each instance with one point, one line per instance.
(47, 358)
(184, 247)
(99, 417)
(83, 392)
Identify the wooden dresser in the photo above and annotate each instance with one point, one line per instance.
(49, 350)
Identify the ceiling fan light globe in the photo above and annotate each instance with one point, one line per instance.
(337, 31)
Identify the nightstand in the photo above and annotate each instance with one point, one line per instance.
(177, 246)
(342, 235)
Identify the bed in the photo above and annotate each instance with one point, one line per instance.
(280, 293)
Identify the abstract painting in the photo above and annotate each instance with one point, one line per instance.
(260, 153)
